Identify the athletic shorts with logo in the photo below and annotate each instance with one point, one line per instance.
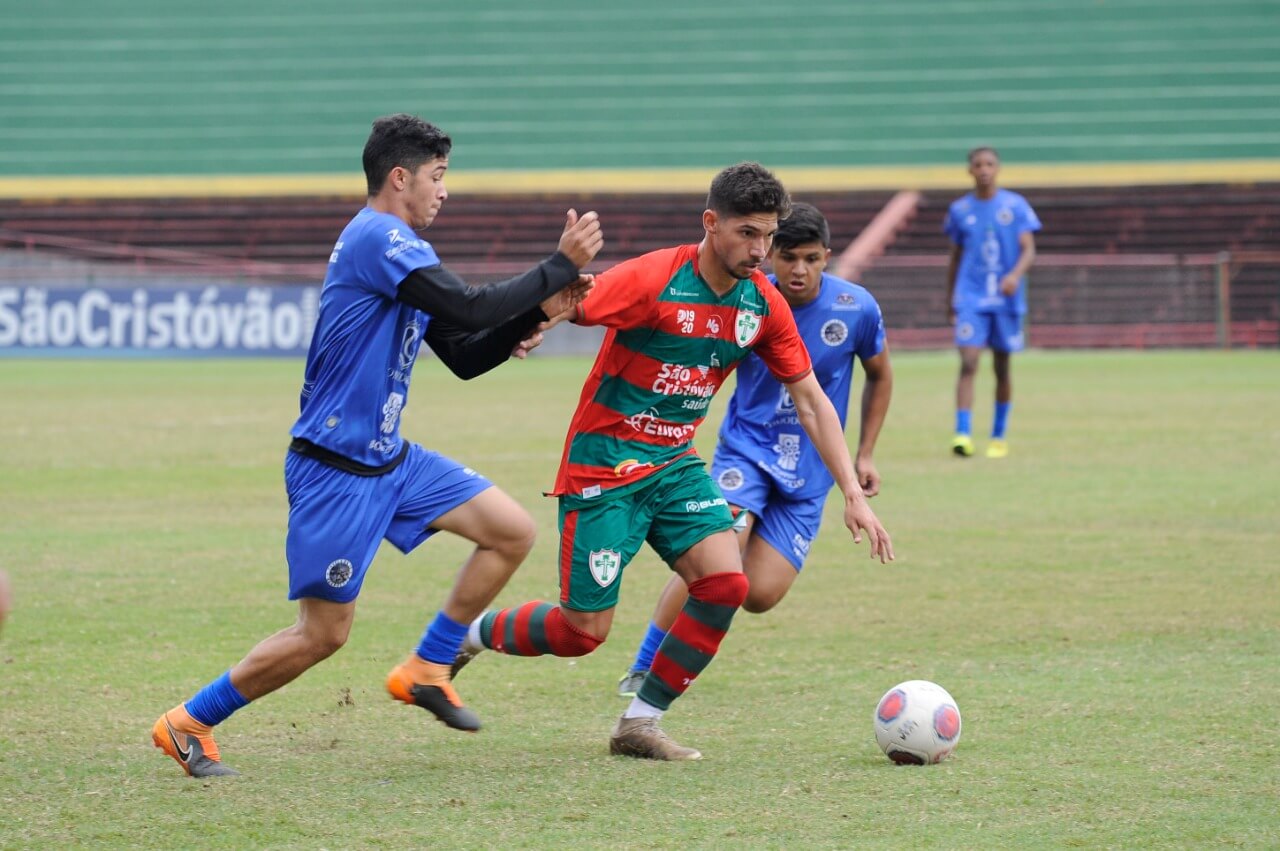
(337, 519)
(1000, 331)
(788, 525)
(671, 510)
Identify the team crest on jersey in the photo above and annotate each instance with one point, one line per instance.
(1004, 216)
(965, 331)
(604, 565)
(747, 327)
(834, 332)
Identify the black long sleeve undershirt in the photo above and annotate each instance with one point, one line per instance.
(439, 292)
(468, 354)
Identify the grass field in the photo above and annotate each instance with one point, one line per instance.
(1104, 605)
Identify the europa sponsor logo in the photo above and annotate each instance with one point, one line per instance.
(648, 422)
(257, 320)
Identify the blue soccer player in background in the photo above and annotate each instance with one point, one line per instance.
(351, 478)
(765, 465)
(993, 245)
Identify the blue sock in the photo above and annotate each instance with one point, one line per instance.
(648, 647)
(1002, 419)
(214, 703)
(442, 640)
(963, 423)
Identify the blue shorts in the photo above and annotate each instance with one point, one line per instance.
(788, 525)
(999, 331)
(337, 519)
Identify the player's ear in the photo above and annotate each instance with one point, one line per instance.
(709, 221)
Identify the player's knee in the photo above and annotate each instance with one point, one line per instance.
(526, 534)
(516, 537)
(760, 601)
(729, 588)
(322, 645)
(568, 639)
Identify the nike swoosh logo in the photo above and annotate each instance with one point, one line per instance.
(185, 756)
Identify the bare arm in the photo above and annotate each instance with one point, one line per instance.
(952, 265)
(819, 420)
(876, 392)
(1026, 256)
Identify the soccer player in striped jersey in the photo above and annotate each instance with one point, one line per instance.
(351, 478)
(992, 232)
(765, 465)
(679, 321)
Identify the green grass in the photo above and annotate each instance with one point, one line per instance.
(1104, 605)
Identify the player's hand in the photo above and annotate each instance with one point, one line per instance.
(529, 343)
(1008, 285)
(951, 316)
(868, 476)
(562, 305)
(858, 516)
(582, 237)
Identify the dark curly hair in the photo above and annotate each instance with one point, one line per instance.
(401, 140)
(803, 226)
(748, 188)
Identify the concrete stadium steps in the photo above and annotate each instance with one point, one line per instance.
(505, 234)
(1178, 219)
(473, 233)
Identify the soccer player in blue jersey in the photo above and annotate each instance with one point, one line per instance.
(765, 464)
(992, 231)
(351, 478)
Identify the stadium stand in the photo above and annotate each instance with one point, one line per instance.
(1145, 258)
(161, 137)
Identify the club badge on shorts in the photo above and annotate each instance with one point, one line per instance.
(604, 565)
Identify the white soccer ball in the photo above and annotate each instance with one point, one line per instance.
(917, 723)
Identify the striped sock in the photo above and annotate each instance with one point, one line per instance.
(534, 629)
(694, 637)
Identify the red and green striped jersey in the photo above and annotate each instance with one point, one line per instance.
(671, 344)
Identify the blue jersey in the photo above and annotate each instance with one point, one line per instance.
(988, 232)
(362, 353)
(842, 323)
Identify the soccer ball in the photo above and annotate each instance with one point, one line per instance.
(917, 723)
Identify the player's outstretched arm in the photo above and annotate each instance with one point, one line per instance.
(441, 293)
(876, 392)
(561, 306)
(468, 354)
(819, 420)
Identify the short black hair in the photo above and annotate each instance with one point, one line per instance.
(804, 225)
(748, 188)
(982, 149)
(401, 140)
